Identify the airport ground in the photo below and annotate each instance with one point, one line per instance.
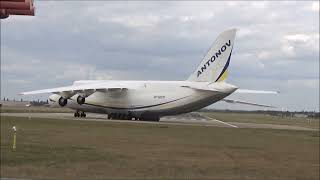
(196, 146)
(256, 120)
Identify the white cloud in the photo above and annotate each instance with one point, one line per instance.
(232, 3)
(297, 37)
(315, 6)
(264, 55)
(72, 72)
(135, 21)
(259, 4)
(303, 83)
(19, 81)
(300, 43)
(288, 50)
(245, 32)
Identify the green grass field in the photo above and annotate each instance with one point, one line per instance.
(61, 149)
(263, 119)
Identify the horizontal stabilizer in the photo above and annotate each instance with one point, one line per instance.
(202, 88)
(214, 87)
(248, 91)
(247, 103)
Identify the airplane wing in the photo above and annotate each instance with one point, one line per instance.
(247, 103)
(85, 87)
(248, 91)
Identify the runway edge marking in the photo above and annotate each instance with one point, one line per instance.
(222, 122)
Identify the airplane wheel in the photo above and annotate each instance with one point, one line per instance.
(154, 119)
(76, 114)
(83, 114)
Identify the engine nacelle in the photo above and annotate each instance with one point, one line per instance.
(62, 101)
(81, 100)
(56, 100)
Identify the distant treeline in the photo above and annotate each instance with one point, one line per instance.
(33, 103)
(38, 103)
(310, 114)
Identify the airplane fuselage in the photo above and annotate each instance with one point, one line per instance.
(152, 98)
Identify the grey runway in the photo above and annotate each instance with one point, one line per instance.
(191, 119)
(188, 120)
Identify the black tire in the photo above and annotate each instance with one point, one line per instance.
(82, 114)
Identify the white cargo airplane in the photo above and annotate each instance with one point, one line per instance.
(150, 100)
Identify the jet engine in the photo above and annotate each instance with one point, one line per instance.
(62, 101)
(56, 100)
(81, 99)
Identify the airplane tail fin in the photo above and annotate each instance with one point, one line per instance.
(214, 66)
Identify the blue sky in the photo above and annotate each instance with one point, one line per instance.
(276, 48)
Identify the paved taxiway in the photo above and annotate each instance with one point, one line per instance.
(190, 119)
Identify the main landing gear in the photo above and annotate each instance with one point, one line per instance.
(80, 114)
(120, 116)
